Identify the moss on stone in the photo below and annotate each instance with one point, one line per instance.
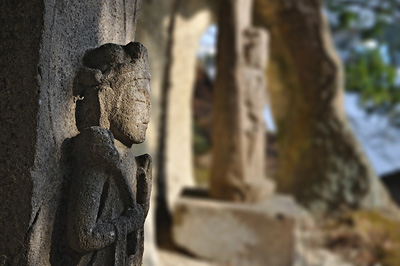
(365, 238)
(202, 176)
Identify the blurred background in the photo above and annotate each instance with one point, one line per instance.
(285, 108)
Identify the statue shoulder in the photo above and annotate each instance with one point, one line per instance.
(95, 145)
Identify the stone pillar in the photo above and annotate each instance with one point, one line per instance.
(171, 30)
(239, 98)
(192, 19)
(43, 43)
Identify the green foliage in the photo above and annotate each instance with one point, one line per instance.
(375, 80)
(347, 19)
(201, 144)
(367, 73)
(350, 15)
(202, 176)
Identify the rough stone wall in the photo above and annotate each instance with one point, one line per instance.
(19, 99)
(43, 44)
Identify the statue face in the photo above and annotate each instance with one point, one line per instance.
(114, 85)
(131, 109)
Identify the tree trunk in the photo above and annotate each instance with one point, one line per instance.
(321, 162)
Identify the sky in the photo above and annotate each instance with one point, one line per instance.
(380, 140)
(208, 41)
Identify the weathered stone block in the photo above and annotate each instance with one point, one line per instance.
(235, 233)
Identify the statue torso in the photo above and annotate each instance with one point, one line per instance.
(111, 204)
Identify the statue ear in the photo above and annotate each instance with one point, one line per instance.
(136, 50)
(87, 77)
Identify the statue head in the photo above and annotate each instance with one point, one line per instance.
(113, 89)
(255, 41)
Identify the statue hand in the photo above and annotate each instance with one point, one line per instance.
(144, 182)
(135, 218)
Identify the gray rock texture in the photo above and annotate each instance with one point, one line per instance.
(42, 47)
(237, 234)
(19, 106)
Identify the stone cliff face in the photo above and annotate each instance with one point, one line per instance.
(43, 43)
(323, 166)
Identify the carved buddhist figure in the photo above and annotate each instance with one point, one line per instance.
(238, 125)
(110, 187)
(256, 187)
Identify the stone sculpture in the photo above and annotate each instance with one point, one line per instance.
(110, 188)
(237, 172)
(253, 130)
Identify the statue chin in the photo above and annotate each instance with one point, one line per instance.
(129, 137)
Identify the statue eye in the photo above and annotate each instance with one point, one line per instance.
(140, 96)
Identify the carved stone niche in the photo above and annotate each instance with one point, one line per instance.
(109, 189)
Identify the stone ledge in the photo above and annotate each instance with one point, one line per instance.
(237, 234)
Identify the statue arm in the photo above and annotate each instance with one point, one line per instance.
(85, 234)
